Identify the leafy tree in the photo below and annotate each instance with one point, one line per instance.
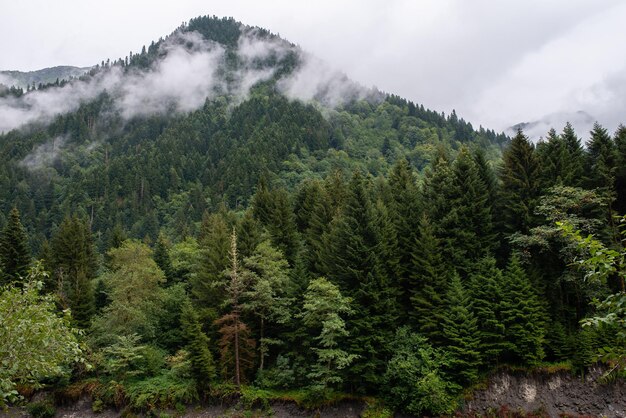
(323, 305)
(35, 342)
(414, 380)
(135, 293)
(266, 297)
(14, 250)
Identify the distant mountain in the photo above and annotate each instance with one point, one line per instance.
(43, 76)
(580, 120)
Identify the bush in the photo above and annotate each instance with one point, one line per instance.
(280, 376)
(43, 409)
(161, 392)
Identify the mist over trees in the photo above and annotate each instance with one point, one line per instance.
(368, 247)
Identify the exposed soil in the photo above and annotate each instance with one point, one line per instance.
(553, 394)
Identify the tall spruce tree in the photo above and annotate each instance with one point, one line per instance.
(486, 291)
(523, 317)
(202, 364)
(600, 165)
(620, 173)
(162, 258)
(460, 333)
(520, 185)
(15, 255)
(429, 279)
(574, 164)
(74, 266)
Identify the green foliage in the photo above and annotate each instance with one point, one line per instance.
(323, 305)
(43, 409)
(414, 381)
(202, 364)
(161, 392)
(35, 342)
(14, 250)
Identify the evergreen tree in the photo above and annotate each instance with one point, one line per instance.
(520, 185)
(428, 283)
(485, 289)
(403, 212)
(553, 156)
(162, 258)
(471, 232)
(522, 316)
(600, 165)
(460, 333)
(74, 266)
(15, 252)
(620, 173)
(574, 163)
(323, 307)
(202, 364)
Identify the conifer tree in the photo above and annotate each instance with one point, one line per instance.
(209, 283)
(600, 165)
(522, 316)
(574, 164)
(202, 364)
(404, 212)
(428, 283)
(552, 155)
(620, 173)
(460, 332)
(471, 232)
(162, 258)
(15, 252)
(236, 345)
(74, 266)
(485, 289)
(520, 185)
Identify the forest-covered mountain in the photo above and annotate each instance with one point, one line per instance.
(27, 79)
(222, 214)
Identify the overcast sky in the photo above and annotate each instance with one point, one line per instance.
(496, 62)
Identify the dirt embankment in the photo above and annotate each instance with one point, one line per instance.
(552, 394)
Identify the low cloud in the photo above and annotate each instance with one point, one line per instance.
(45, 154)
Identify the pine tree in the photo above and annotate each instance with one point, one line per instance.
(600, 165)
(74, 266)
(15, 252)
(202, 364)
(485, 289)
(208, 285)
(162, 258)
(403, 212)
(522, 316)
(552, 155)
(520, 185)
(574, 164)
(460, 333)
(428, 283)
(620, 173)
(471, 233)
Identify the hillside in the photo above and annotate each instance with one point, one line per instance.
(221, 218)
(24, 79)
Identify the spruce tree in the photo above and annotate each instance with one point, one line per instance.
(601, 155)
(460, 333)
(428, 283)
(74, 266)
(486, 291)
(15, 252)
(471, 232)
(162, 258)
(520, 185)
(522, 316)
(574, 164)
(202, 364)
(620, 173)
(404, 212)
(552, 155)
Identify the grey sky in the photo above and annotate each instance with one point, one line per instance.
(496, 62)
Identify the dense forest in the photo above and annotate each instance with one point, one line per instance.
(266, 247)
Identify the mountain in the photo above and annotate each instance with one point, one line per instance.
(195, 119)
(44, 76)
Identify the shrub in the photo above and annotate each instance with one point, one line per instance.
(43, 409)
